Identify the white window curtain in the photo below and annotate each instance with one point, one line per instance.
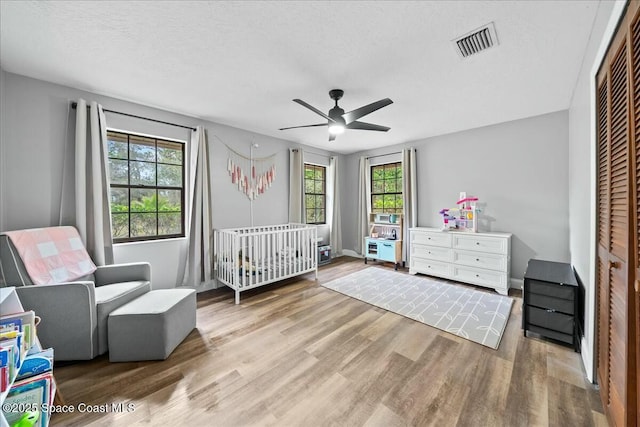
(410, 196)
(92, 209)
(296, 186)
(364, 203)
(199, 263)
(334, 220)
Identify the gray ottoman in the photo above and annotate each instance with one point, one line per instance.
(151, 326)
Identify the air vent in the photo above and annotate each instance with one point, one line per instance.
(476, 41)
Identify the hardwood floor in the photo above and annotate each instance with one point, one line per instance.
(298, 354)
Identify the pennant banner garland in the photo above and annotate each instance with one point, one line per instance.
(252, 176)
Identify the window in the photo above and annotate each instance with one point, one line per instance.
(147, 187)
(315, 184)
(386, 188)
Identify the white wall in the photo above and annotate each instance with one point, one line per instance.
(582, 171)
(2, 142)
(518, 169)
(37, 133)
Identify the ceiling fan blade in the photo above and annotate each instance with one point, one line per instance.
(331, 137)
(314, 109)
(305, 126)
(366, 126)
(354, 115)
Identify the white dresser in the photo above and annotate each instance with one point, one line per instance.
(478, 258)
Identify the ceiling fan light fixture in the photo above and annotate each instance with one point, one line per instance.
(336, 129)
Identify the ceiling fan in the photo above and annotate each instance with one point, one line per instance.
(338, 120)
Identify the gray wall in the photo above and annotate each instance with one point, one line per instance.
(518, 170)
(37, 132)
(2, 142)
(582, 174)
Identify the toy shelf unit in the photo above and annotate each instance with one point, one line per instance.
(464, 217)
(384, 242)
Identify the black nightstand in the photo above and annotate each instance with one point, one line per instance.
(550, 301)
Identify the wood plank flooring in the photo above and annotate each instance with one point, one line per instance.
(298, 354)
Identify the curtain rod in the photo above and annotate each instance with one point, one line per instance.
(74, 105)
(386, 154)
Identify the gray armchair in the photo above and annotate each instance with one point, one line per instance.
(74, 314)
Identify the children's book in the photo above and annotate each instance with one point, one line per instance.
(36, 363)
(32, 393)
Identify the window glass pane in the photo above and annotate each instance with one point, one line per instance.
(143, 224)
(377, 202)
(399, 172)
(390, 186)
(378, 172)
(399, 185)
(389, 201)
(170, 175)
(309, 185)
(143, 200)
(142, 173)
(117, 146)
(308, 172)
(118, 171)
(319, 201)
(120, 225)
(378, 187)
(169, 223)
(169, 200)
(310, 219)
(141, 148)
(310, 201)
(119, 200)
(319, 187)
(319, 172)
(170, 152)
(399, 203)
(320, 217)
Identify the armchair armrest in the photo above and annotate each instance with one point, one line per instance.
(69, 318)
(116, 273)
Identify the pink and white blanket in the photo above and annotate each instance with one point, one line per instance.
(52, 255)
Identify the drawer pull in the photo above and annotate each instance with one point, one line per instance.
(477, 275)
(477, 259)
(550, 310)
(478, 243)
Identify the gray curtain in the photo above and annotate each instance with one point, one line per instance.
(335, 221)
(92, 210)
(199, 263)
(410, 195)
(364, 203)
(296, 186)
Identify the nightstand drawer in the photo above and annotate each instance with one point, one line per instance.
(549, 289)
(431, 238)
(550, 320)
(543, 301)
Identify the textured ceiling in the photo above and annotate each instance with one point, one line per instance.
(242, 63)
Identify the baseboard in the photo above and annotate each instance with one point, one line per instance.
(516, 283)
(349, 252)
(587, 360)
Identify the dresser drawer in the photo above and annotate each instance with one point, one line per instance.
(543, 301)
(550, 320)
(549, 289)
(431, 252)
(427, 266)
(494, 245)
(481, 260)
(492, 279)
(432, 238)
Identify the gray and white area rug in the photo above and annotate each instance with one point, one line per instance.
(477, 316)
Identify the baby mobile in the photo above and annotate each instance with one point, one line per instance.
(253, 176)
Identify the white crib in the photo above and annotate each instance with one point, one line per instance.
(246, 258)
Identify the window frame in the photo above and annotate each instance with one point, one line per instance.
(129, 186)
(394, 210)
(323, 194)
